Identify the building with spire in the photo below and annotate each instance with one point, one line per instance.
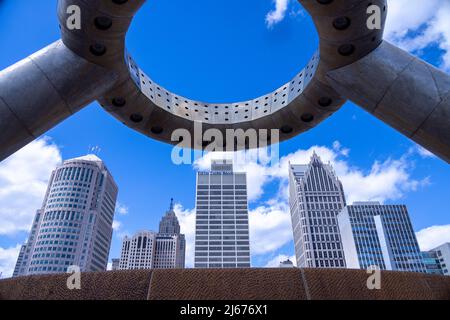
(151, 250)
(316, 196)
(169, 223)
(74, 225)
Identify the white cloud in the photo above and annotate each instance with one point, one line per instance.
(275, 262)
(121, 209)
(117, 225)
(424, 153)
(119, 231)
(432, 237)
(8, 259)
(386, 180)
(270, 228)
(415, 25)
(278, 13)
(186, 219)
(23, 182)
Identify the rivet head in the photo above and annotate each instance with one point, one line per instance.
(103, 23)
(158, 130)
(136, 118)
(97, 49)
(341, 23)
(346, 50)
(307, 117)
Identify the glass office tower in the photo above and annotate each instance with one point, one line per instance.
(379, 235)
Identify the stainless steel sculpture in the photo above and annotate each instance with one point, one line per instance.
(353, 62)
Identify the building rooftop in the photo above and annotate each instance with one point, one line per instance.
(230, 284)
(88, 157)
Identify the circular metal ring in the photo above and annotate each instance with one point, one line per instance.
(299, 105)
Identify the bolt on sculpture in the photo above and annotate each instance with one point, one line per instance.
(353, 62)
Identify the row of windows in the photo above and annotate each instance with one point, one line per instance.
(222, 260)
(225, 202)
(66, 205)
(224, 217)
(54, 262)
(48, 269)
(219, 265)
(225, 207)
(68, 186)
(331, 263)
(221, 198)
(227, 232)
(220, 212)
(53, 255)
(74, 173)
(218, 187)
(224, 227)
(219, 222)
(239, 249)
(63, 215)
(322, 199)
(222, 237)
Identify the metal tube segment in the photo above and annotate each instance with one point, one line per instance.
(403, 91)
(42, 90)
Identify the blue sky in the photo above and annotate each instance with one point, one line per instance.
(220, 51)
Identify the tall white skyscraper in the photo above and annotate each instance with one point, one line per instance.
(222, 230)
(316, 196)
(152, 250)
(74, 225)
(379, 235)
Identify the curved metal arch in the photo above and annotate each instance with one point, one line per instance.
(295, 107)
(353, 62)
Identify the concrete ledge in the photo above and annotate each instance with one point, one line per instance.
(229, 284)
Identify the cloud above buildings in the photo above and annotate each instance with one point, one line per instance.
(186, 218)
(23, 182)
(8, 258)
(432, 237)
(121, 209)
(413, 25)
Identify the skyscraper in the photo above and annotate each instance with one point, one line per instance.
(222, 230)
(138, 251)
(115, 264)
(74, 225)
(443, 254)
(316, 196)
(169, 223)
(151, 250)
(431, 261)
(379, 235)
